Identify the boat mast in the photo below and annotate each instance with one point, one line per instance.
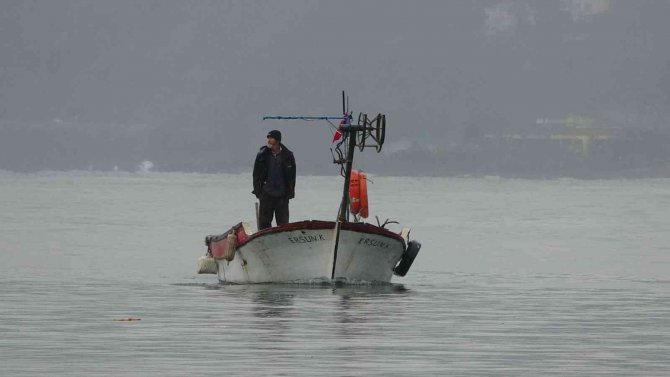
(348, 130)
(344, 206)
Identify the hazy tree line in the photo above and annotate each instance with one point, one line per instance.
(97, 84)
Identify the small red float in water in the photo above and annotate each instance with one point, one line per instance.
(127, 319)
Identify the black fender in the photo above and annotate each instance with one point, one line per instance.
(407, 258)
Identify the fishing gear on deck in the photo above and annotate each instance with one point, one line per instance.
(374, 129)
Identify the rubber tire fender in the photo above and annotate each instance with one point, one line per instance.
(407, 258)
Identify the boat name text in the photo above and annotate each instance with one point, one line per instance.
(375, 243)
(307, 239)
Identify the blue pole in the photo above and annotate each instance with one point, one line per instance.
(280, 117)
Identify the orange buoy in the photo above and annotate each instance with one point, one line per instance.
(354, 190)
(358, 194)
(364, 195)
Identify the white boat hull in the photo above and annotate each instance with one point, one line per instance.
(304, 252)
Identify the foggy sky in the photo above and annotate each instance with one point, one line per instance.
(200, 75)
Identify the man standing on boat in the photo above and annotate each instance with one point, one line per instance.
(274, 180)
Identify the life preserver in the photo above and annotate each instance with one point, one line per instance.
(358, 194)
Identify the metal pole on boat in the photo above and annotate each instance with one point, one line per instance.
(351, 133)
(258, 219)
(343, 215)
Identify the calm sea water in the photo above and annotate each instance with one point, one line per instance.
(515, 277)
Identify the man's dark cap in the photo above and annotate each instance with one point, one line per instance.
(275, 135)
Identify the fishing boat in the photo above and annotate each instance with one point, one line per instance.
(344, 250)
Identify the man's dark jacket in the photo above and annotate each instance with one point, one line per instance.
(261, 167)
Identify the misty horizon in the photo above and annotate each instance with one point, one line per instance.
(185, 84)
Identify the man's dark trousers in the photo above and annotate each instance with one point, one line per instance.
(269, 207)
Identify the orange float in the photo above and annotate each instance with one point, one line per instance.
(358, 193)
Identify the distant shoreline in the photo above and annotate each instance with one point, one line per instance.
(634, 174)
